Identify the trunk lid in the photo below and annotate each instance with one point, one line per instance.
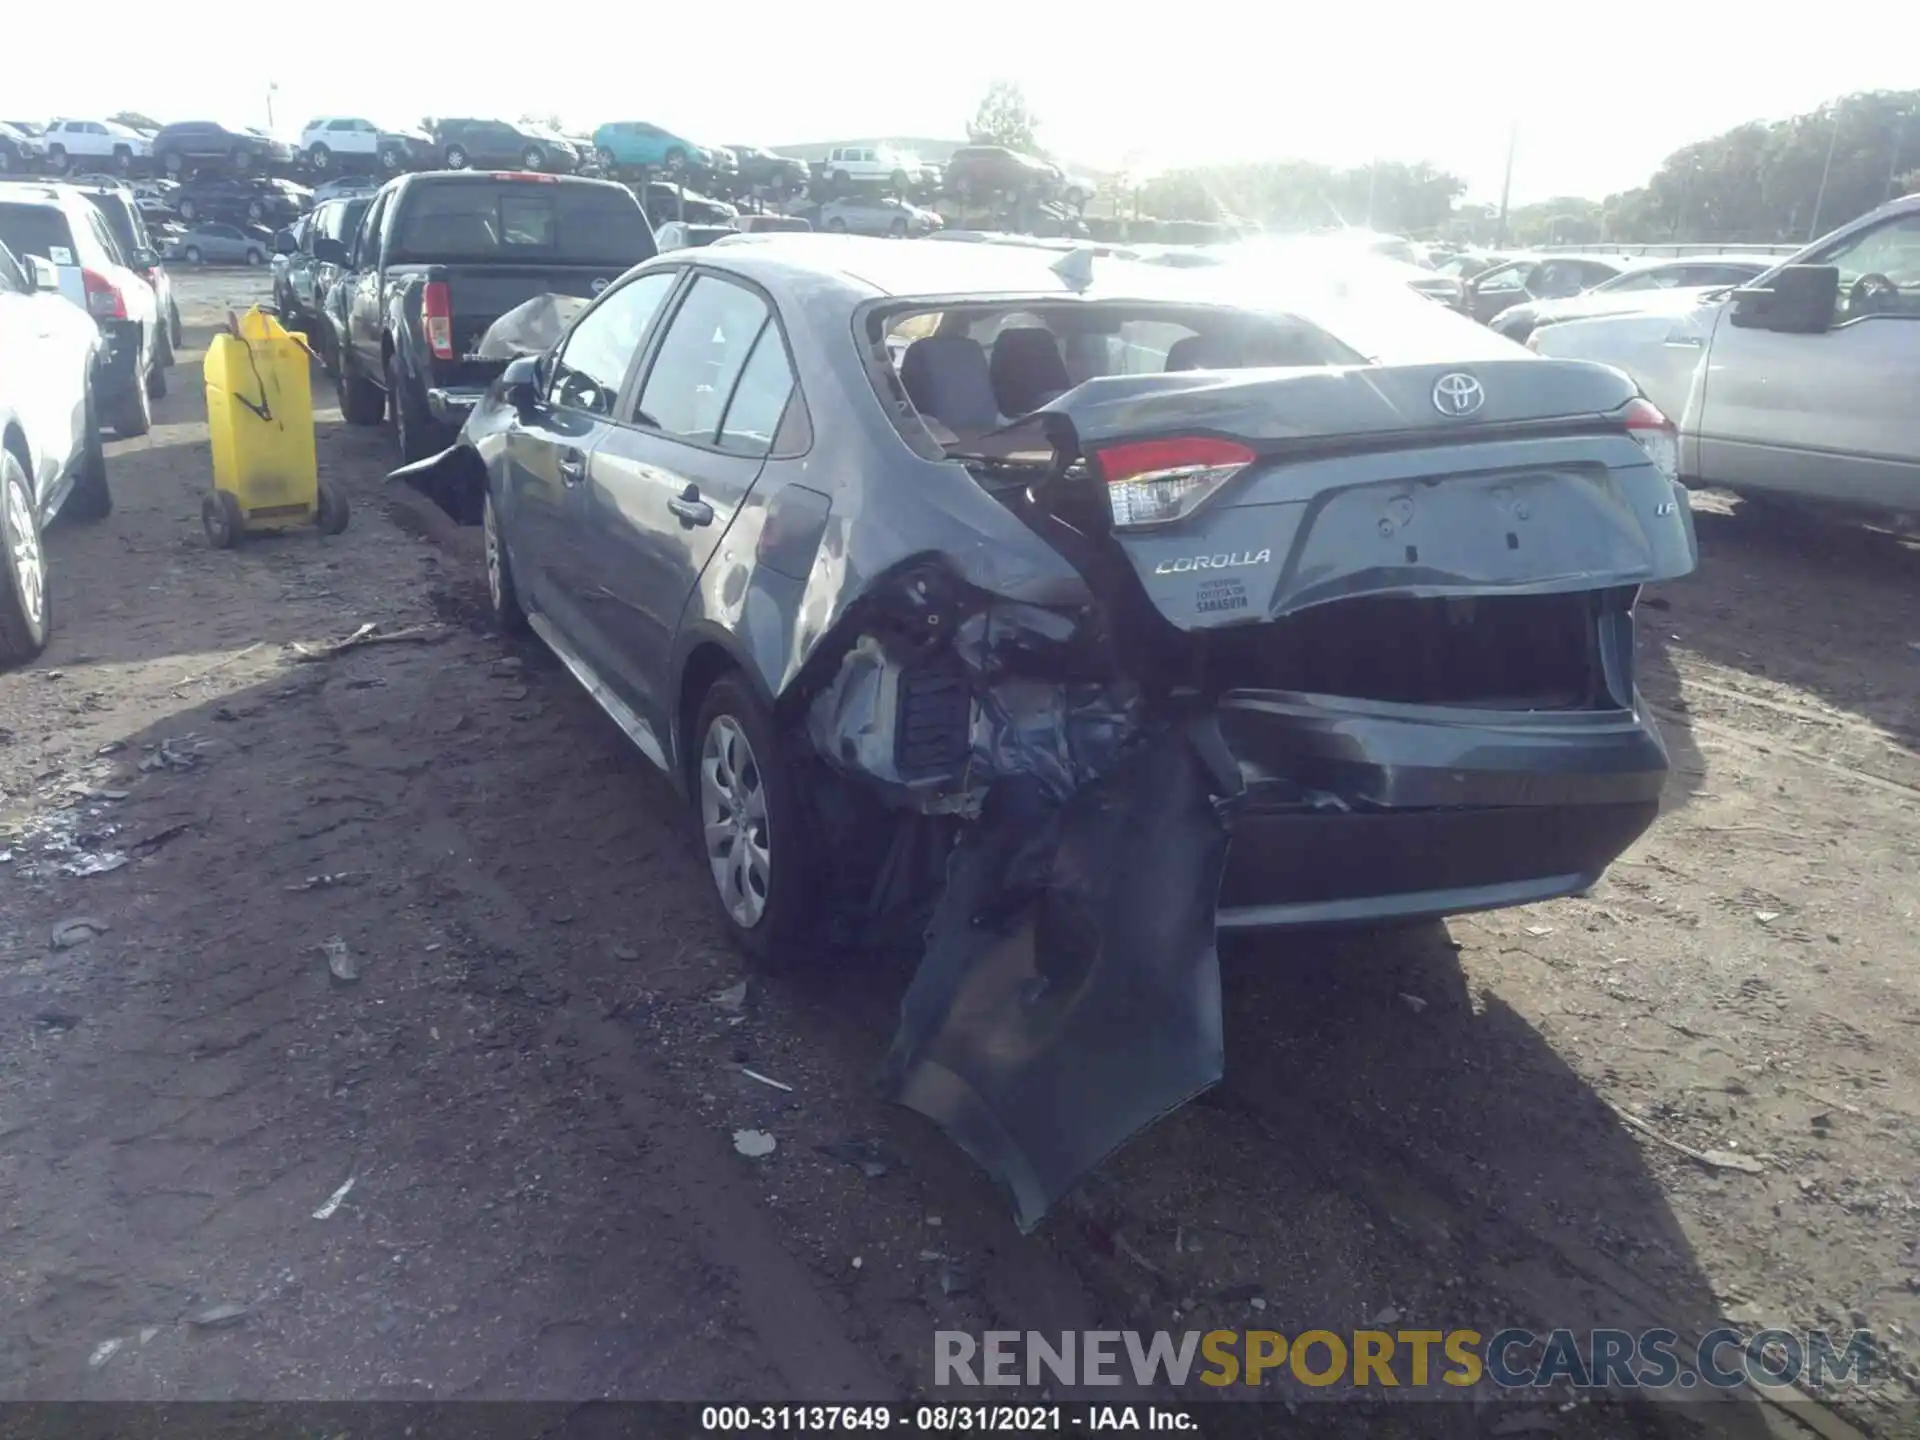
(1500, 477)
(478, 295)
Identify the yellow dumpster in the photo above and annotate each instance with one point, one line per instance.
(260, 413)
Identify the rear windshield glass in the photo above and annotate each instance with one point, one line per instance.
(37, 230)
(524, 221)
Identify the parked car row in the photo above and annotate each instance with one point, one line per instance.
(88, 329)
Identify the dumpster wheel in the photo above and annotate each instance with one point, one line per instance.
(220, 515)
(332, 509)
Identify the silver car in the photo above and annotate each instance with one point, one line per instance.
(860, 216)
(214, 242)
(1798, 384)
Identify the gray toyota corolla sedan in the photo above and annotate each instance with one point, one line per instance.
(1047, 613)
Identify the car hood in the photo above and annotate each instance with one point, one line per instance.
(1652, 302)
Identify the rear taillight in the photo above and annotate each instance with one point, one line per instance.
(436, 318)
(525, 175)
(1654, 433)
(1150, 482)
(104, 300)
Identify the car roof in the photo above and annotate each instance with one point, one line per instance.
(1657, 262)
(867, 269)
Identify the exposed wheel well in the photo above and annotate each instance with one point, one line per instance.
(708, 662)
(15, 441)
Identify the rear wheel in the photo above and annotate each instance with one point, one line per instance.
(90, 498)
(57, 160)
(361, 402)
(173, 163)
(321, 158)
(391, 160)
(241, 159)
(157, 375)
(220, 517)
(136, 408)
(256, 257)
(191, 254)
(897, 228)
(418, 435)
(837, 225)
(744, 806)
(534, 158)
(122, 159)
(175, 331)
(457, 158)
(23, 566)
(332, 509)
(163, 345)
(502, 595)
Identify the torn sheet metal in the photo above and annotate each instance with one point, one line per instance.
(1070, 992)
(532, 327)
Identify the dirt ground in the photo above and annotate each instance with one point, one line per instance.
(533, 1083)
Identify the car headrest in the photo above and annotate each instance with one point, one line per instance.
(946, 377)
(1026, 369)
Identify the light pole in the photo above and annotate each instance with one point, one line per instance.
(1820, 195)
(1506, 183)
(272, 87)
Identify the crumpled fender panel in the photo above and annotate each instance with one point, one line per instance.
(1070, 992)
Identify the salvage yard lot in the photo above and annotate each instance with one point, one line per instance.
(534, 1080)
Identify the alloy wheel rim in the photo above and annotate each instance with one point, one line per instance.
(733, 816)
(29, 569)
(490, 530)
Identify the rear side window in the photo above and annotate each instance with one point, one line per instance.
(524, 221)
(37, 230)
(122, 221)
(712, 335)
(759, 398)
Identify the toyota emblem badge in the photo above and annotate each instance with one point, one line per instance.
(1457, 394)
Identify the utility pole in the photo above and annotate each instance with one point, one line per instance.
(1820, 195)
(1506, 183)
(272, 86)
(1373, 182)
(1893, 158)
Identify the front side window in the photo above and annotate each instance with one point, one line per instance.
(594, 358)
(707, 345)
(1511, 280)
(1879, 270)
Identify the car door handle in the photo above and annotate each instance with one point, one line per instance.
(691, 509)
(573, 467)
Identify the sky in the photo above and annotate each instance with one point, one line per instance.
(1600, 93)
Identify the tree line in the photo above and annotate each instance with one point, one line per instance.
(1764, 182)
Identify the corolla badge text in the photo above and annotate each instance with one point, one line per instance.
(1233, 560)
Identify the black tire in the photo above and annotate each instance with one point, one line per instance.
(176, 332)
(503, 596)
(457, 158)
(332, 509)
(157, 374)
(897, 228)
(417, 434)
(676, 159)
(136, 408)
(191, 254)
(171, 163)
(766, 910)
(91, 498)
(899, 182)
(533, 158)
(220, 517)
(25, 603)
(361, 402)
(241, 159)
(256, 257)
(163, 345)
(837, 226)
(57, 159)
(256, 212)
(187, 211)
(320, 158)
(122, 159)
(604, 157)
(392, 160)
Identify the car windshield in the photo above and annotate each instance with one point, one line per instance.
(37, 230)
(511, 220)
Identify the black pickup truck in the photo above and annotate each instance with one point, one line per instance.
(439, 257)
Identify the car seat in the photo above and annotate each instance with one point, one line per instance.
(946, 377)
(1026, 369)
(1194, 352)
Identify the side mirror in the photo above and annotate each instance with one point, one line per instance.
(284, 243)
(520, 381)
(1796, 300)
(329, 251)
(42, 272)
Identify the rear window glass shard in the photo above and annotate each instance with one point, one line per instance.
(700, 358)
(523, 220)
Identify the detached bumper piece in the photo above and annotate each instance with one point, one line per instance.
(1070, 992)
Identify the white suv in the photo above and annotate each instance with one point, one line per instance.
(336, 142)
(859, 164)
(71, 141)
